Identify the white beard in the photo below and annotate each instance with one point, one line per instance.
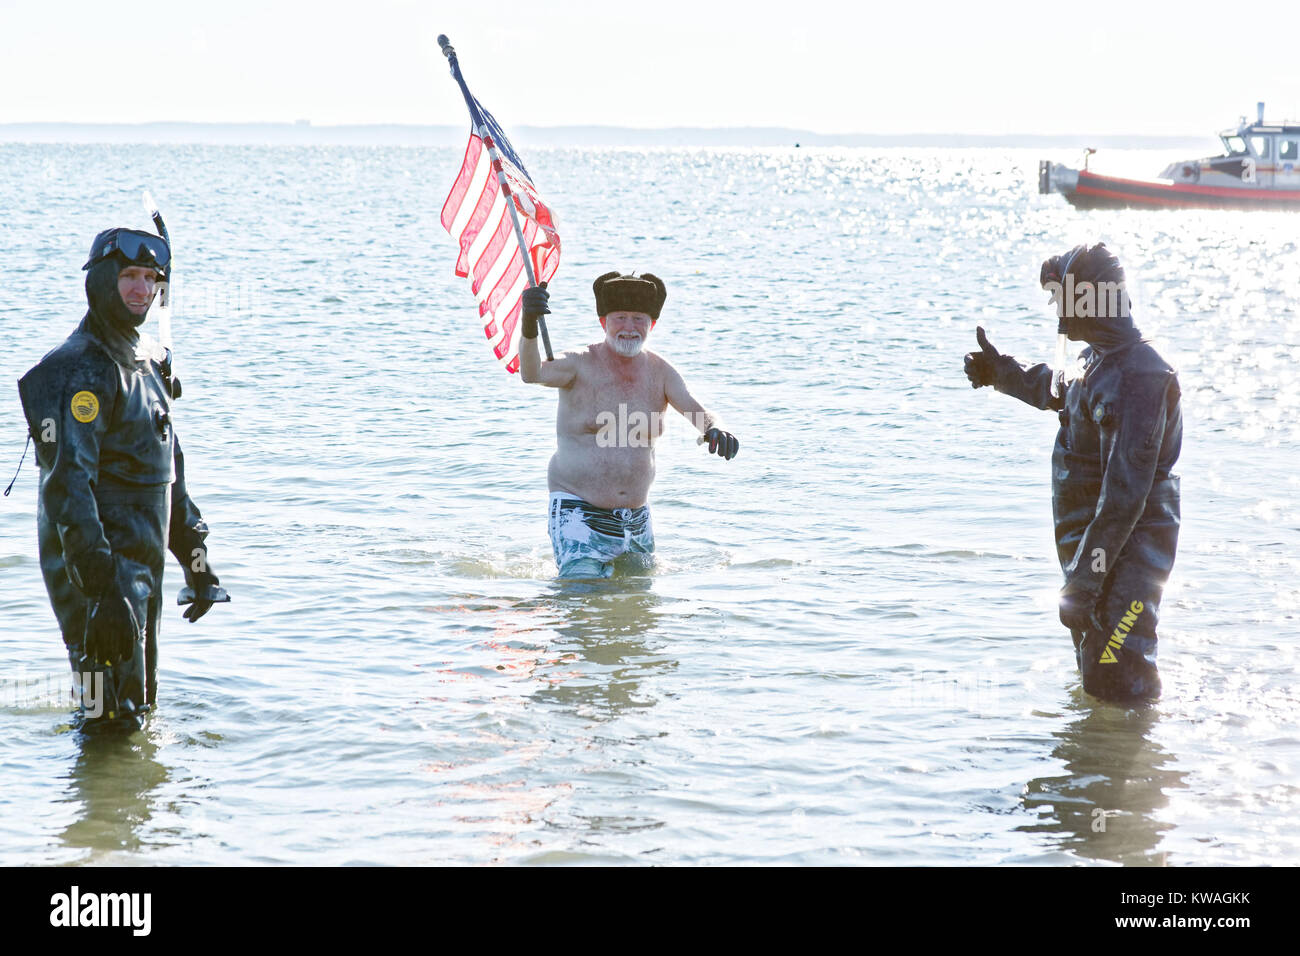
(628, 348)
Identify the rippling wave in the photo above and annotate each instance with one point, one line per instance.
(848, 651)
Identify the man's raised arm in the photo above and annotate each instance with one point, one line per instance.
(1033, 386)
(558, 373)
(679, 397)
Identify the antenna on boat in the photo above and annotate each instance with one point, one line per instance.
(1259, 109)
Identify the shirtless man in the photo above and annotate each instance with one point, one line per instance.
(612, 399)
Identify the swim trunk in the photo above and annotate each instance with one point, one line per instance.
(587, 539)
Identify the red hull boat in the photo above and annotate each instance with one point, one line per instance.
(1260, 169)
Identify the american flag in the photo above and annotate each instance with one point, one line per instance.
(475, 214)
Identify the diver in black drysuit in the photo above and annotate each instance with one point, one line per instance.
(112, 491)
(1115, 499)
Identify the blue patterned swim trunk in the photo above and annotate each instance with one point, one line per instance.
(587, 539)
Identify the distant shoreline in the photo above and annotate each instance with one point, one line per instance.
(306, 134)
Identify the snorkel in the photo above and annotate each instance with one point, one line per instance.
(164, 301)
(1064, 306)
(1062, 358)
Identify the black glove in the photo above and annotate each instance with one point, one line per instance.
(980, 368)
(112, 630)
(203, 585)
(1077, 609)
(535, 302)
(722, 443)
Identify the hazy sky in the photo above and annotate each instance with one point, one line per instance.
(825, 65)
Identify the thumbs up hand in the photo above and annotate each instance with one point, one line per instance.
(981, 366)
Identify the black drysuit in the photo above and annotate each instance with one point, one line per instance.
(1115, 499)
(112, 496)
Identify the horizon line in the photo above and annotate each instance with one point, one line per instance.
(306, 132)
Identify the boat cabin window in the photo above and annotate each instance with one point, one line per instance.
(1259, 145)
(1236, 146)
(1288, 149)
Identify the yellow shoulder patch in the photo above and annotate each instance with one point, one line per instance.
(85, 407)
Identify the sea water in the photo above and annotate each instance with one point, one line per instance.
(848, 651)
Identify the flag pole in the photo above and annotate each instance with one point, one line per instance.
(480, 129)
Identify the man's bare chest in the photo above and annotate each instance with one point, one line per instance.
(597, 398)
